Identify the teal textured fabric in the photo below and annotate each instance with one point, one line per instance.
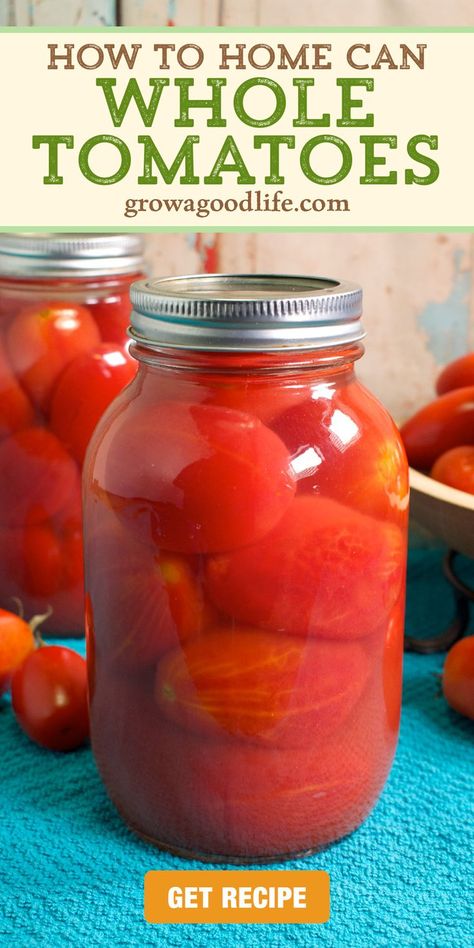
(71, 874)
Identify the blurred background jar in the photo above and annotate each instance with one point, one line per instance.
(64, 313)
(246, 507)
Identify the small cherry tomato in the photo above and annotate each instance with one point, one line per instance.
(207, 479)
(42, 340)
(457, 374)
(458, 677)
(456, 468)
(16, 410)
(85, 389)
(49, 698)
(112, 316)
(16, 642)
(37, 477)
(445, 423)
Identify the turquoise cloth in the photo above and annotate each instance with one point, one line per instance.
(71, 874)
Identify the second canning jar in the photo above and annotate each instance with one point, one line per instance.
(64, 313)
(245, 527)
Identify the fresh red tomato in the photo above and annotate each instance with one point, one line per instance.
(345, 446)
(37, 477)
(49, 698)
(145, 602)
(262, 686)
(458, 677)
(16, 642)
(112, 315)
(85, 389)
(456, 468)
(325, 570)
(16, 410)
(198, 478)
(457, 374)
(445, 423)
(42, 340)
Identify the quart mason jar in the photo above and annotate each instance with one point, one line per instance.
(64, 313)
(245, 527)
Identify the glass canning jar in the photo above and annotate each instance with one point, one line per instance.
(245, 530)
(64, 313)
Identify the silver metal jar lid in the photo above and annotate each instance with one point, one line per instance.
(69, 255)
(245, 312)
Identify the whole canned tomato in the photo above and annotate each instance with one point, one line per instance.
(245, 527)
(64, 313)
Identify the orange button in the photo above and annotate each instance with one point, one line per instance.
(233, 896)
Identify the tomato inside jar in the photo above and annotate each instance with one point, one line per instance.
(64, 315)
(245, 531)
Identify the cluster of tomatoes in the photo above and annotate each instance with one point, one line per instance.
(439, 438)
(61, 364)
(48, 684)
(244, 582)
